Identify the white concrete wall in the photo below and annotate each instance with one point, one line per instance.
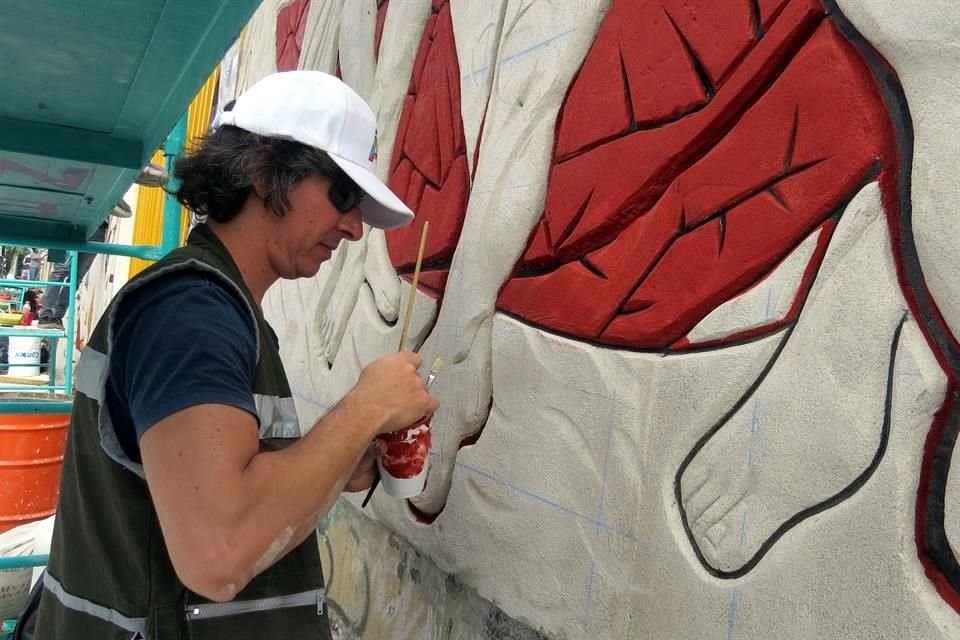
(763, 489)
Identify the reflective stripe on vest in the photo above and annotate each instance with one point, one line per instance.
(278, 417)
(91, 374)
(76, 603)
(314, 597)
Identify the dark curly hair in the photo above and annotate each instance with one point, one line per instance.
(217, 176)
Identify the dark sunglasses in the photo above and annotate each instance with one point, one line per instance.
(345, 195)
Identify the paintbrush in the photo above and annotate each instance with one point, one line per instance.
(413, 285)
(406, 327)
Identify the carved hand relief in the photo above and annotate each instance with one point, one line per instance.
(680, 177)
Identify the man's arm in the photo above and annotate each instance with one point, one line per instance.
(228, 512)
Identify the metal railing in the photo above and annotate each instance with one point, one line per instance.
(49, 405)
(170, 239)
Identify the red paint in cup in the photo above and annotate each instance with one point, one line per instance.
(403, 466)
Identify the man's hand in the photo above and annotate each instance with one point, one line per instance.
(365, 472)
(391, 389)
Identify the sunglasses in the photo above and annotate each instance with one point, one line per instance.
(345, 195)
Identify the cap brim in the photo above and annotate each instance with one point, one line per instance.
(381, 208)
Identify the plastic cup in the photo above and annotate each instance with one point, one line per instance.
(403, 467)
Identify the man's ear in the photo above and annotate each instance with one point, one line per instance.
(259, 189)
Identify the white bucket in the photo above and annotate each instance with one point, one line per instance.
(24, 350)
(32, 538)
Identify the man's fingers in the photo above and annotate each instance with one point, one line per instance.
(413, 358)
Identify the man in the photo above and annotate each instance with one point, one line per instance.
(34, 262)
(189, 501)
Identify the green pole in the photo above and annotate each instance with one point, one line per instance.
(170, 238)
(71, 327)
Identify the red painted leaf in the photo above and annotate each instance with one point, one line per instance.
(708, 186)
(429, 165)
(291, 23)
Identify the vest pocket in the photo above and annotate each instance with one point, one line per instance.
(315, 597)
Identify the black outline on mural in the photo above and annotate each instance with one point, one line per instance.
(937, 546)
(937, 455)
(796, 519)
(840, 496)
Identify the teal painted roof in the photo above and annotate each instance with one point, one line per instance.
(88, 90)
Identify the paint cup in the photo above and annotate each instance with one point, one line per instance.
(403, 467)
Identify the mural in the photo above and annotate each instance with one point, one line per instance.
(691, 268)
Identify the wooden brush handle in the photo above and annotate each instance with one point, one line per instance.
(413, 286)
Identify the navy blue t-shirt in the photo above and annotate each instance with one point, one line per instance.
(181, 341)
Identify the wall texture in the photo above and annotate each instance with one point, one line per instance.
(379, 586)
(692, 271)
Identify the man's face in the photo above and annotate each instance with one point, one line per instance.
(311, 230)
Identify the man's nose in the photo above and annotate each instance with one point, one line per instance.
(351, 224)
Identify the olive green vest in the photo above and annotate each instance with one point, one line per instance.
(110, 576)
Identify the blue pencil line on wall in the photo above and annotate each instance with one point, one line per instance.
(597, 521)
(520, 54)
(606, 458)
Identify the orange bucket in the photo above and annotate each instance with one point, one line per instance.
(31, 461)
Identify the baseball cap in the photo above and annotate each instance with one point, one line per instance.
(321, 111)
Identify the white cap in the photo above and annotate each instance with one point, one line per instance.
(321, 111)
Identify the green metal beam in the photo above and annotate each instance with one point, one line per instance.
(70, 143)
(23, 562)
(29, 332)
(199, 33)
(144, 252)
(31, 283)
(9, 407)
